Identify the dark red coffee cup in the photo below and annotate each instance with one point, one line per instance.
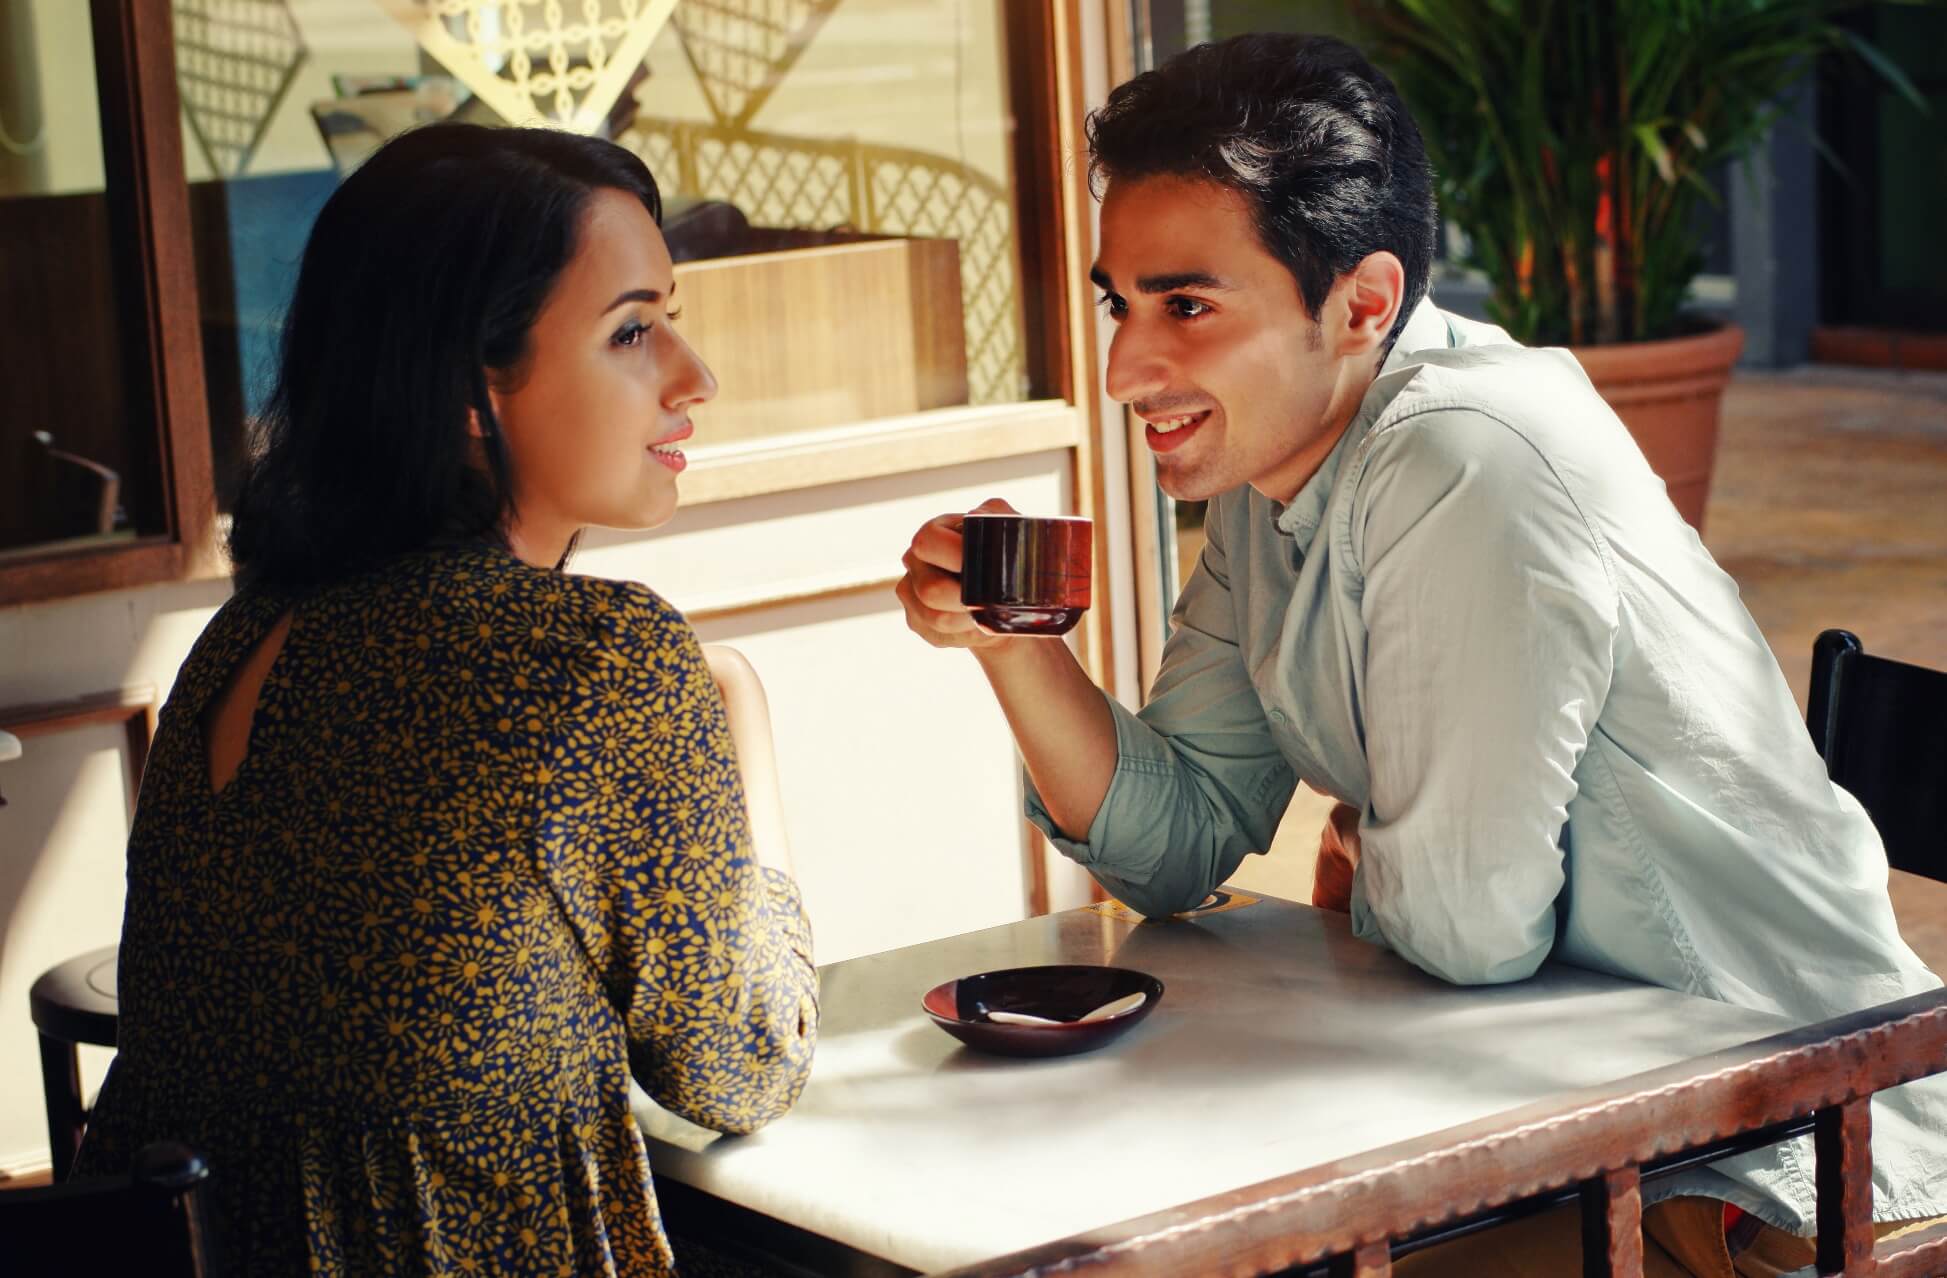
(1026, 574)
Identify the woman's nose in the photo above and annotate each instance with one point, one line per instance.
(694, 382)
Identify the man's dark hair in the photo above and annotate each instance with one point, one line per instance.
(1312, 134)
(422, 277)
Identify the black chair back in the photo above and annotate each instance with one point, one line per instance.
(152, 1221)
(1881, 727)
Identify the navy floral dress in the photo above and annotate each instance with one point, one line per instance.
(487, 856)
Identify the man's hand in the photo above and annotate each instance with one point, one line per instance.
(930, 590)
(1060, 720)
(1338, 857)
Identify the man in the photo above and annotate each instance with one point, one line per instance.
(1442, 585)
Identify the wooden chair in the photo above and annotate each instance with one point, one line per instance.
(1881, 727)
(74, 1002)
(71, 1003)
(152, 1220)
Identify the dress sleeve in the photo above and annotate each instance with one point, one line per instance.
(705, 954)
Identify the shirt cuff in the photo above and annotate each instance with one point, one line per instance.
(1137, 752)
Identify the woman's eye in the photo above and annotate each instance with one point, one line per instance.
(1188, 307)
(630, 334)
(676, 315)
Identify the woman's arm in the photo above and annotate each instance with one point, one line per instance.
(750, 730)
(709, 952)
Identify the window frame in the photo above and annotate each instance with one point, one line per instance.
(156, 296)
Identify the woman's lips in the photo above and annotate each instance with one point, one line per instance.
(668, 454)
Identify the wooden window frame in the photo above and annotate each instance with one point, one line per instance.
(133, 709)
(141, 143)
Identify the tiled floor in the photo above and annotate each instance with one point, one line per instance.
(1829, 507)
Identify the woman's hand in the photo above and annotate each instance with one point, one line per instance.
(1338, 857)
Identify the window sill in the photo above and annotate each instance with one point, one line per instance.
(868, 450)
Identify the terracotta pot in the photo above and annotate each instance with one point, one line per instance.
(1668, 394)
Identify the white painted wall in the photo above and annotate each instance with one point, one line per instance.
(900, 782)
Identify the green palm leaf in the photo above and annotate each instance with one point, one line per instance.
(1551, 123)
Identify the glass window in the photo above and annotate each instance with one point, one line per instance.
(80, 461)
(836, 174)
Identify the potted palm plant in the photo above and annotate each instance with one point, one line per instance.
(1573, 140)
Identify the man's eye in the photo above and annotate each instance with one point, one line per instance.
(1188, 307)
(1113, 304)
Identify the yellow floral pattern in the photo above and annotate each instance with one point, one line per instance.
(486, 857)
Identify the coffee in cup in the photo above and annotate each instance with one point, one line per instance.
(1026, 574)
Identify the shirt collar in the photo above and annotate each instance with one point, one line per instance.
(1426, 329)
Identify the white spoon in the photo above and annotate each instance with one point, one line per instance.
(1116, 1007)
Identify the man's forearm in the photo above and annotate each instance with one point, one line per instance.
(1062, 724)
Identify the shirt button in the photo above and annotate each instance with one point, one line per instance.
(1277, 716)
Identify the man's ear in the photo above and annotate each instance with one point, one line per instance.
(1371, 294)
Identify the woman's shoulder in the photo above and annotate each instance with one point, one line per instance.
(234, 630)
(624, 614)
(481, 576)
(621, 617)
(481, 606)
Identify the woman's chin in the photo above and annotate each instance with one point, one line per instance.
(643, 517)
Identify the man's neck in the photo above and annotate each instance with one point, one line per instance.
(1291, 478)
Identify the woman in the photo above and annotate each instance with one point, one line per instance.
(438, 845)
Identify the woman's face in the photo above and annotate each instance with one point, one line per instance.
(603, 395)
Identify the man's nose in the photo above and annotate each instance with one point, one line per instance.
(1137, 370)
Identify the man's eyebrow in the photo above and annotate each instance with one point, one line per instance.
(649, 295)
(1180, 279)
(1161, 283)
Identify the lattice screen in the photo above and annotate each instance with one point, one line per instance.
(234, 61)
(564, 61)
(740, 50)
(779, 180)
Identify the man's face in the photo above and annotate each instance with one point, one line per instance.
(1213, 347)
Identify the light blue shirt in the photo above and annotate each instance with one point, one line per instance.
(1483, 624)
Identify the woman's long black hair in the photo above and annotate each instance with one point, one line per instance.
(421, 279)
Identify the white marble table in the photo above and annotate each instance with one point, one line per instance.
(1280, 1044)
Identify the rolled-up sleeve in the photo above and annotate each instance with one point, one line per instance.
(1490, 616)
(1199, 781)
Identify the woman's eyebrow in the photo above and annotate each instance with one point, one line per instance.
(649, 295)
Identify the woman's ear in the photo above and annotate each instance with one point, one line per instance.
(478, 427)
